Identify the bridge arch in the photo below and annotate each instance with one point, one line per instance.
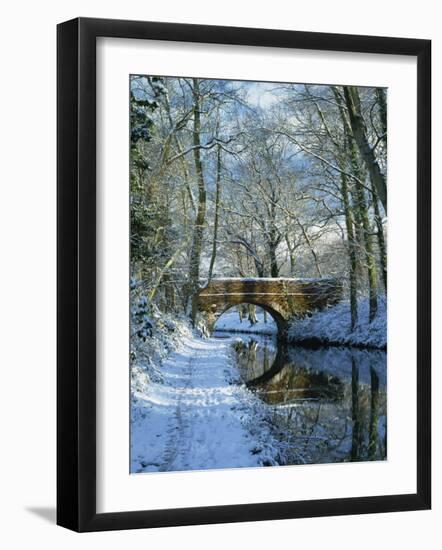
(283, 298)
(275, 315)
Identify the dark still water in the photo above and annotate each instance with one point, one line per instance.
(324, 405)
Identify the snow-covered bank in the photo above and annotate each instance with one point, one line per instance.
(332, 327)
(198, 416)
(230, 322)
(154, 335)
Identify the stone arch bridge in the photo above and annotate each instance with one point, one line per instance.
(283, 298)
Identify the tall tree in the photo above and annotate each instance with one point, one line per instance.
(361, 210)
(216, 216)
(198, 230)
(353, 103)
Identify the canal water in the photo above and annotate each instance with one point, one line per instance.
(324, 405)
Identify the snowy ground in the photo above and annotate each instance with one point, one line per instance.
(332, 326)
(197, 417)
(231, 322)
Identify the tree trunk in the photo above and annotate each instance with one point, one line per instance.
(360, 135)
(252, 314)
(382, 102)
(381, 237)
(240, 313)
(349, 223)
(291, 252)
(174, 135)
(274, 269)
(361, 211)
(273, 240)
(195, 254)
(216, 220)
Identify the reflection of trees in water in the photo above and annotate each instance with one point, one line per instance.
(255, 357)
(374, 415)
(355, 412)
(320, 416)
(368, 442)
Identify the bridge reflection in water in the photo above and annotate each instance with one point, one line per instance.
(325, 405)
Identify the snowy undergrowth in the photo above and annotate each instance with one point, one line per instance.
(154, 335)
(332, 327)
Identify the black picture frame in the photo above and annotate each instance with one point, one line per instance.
(77, 287)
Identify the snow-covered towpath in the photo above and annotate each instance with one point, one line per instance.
(199, 417)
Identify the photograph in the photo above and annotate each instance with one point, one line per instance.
(258, 273)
